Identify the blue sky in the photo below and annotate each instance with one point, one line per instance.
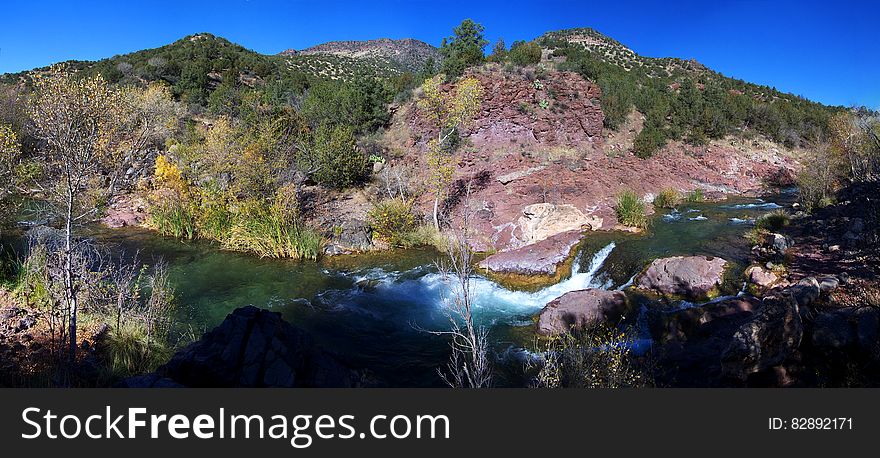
(825, 51)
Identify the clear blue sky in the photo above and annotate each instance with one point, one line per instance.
(826, 51)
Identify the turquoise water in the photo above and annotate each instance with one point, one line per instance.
(374, 311)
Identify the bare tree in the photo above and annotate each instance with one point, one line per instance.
(468, 365)
(74, 118)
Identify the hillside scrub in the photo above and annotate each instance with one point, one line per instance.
(689, 102)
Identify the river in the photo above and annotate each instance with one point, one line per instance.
(375, 311)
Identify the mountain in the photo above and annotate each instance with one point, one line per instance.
(613, 52)
(407, 54)
(681, 98)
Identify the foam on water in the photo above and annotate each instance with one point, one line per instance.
(490, 299)
(698, 218)
(765, 205)
(493, 297)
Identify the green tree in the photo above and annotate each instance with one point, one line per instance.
(448, 112)
(335, 157)
(464, 49)
(523, 53)
(362, 104)
(10, 149)
(499, 52)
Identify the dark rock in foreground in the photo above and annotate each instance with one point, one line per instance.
(577, 309)
(251, 348)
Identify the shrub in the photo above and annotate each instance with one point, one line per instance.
(522, 53)
(631, 210)
(338, 160)
(648, 141)
(272, 231)
(695, 196)
(393, 221)
(667, 198)
(597, 357)
(817, 180)
(132, 352)
(172, 216)
(773, 222)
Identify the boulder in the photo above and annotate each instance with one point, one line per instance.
(541, 221)
(828, 284)
(541, 258)
(256, 348)
(770, 337)
(692, 277)
(832, 331)
(806, 291)
(868, 330)
(688, 323)
(780, 243)
(761, 277)
(577, 309)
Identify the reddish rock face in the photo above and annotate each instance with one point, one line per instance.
(534, 155)
(576, 309)
(560, 109)
(692, 277)
(541, 258)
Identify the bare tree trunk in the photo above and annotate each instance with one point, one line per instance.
(437, 213)
(69, 289)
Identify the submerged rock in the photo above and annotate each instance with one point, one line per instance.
(254, 348)
(692, 277)
(577, 309)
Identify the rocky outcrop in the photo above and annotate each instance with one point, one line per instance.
(558, 109)
(691, 277)
(542, 259)
(577, 309)
(765, 341)
(252, 348)
(541, 221)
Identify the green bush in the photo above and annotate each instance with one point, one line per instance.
(631, 210)
(648, 142)
(695, 196)
(667, 198)
(393, 221)
(132, 351)
(773, 222)
(272, 231)
(522, 53)
(337, 158)
(173, 217)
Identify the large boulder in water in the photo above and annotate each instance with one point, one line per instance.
(256, 348)
(577, 309)
(541, 258)
(691, 277)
